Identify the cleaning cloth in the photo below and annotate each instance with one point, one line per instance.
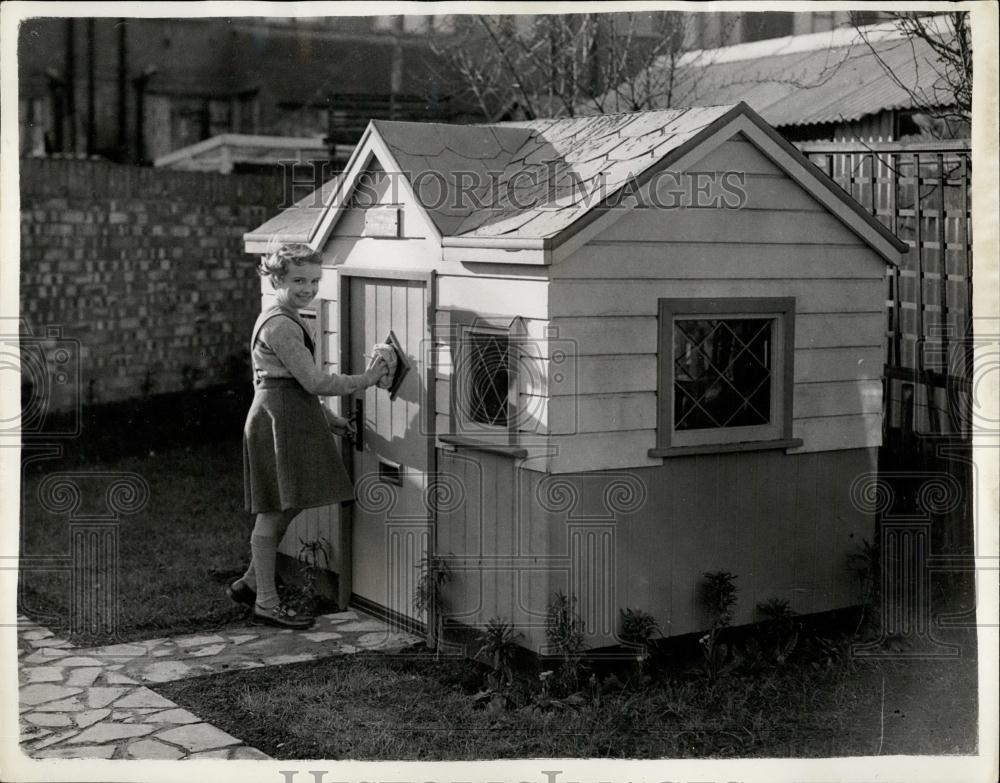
(389, 355)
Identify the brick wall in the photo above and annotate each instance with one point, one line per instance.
(141, 274)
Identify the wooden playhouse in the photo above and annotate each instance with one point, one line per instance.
(642, 347)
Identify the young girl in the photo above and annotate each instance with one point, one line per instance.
(290, 459)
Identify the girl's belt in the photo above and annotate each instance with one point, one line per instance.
(277, 383)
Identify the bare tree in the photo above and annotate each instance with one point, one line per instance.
(946, 44)
(565, 65)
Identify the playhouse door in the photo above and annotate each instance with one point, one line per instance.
(391, 519)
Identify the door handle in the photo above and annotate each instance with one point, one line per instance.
(359, 424)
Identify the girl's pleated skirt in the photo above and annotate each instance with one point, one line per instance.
(290, 457)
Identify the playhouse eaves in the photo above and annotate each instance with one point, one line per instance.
(543, 187)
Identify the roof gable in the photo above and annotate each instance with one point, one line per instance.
(742, 120)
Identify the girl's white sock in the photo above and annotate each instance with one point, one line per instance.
(250, 577)
(265, 550)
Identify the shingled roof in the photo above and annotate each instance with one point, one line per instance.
(429, 154)
(520, 179)
(298, 223)
(529, 182)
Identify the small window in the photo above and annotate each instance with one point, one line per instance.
(489, 371)
(725, 372)
(485, 385)
(722, 372)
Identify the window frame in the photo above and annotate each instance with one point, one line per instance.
(464, 430)
(777, 433)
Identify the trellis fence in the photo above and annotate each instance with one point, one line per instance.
(921, 192)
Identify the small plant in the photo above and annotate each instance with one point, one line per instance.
(719, 594)
(497, 648)
(544, 703)
(777, 633)
(564, 630)
(428, 598)
(866, 563)
(638, 629)
(774, 609)
(719, 597)
(313, 558)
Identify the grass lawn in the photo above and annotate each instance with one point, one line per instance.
(175, 554)
(409, 707)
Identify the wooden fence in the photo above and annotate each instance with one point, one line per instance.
(921, 192)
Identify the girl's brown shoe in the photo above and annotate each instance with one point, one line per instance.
(242, 593)
(281, 617)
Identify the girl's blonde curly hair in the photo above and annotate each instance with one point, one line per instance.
(275, 265)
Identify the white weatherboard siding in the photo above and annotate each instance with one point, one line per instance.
(603, 299)
(495, 296)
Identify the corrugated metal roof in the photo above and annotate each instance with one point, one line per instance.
(838, 84)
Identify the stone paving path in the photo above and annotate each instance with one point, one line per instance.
(94, 703)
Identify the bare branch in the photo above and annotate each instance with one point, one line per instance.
(576, 62)
(949, 96)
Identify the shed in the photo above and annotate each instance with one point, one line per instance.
(645, 346)
(242, 152)
(831, 85)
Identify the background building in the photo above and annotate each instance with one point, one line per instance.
(136, 89)
(133, 90)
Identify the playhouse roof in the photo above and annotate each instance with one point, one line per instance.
(534, 183)
(547, 173)
(299, 221)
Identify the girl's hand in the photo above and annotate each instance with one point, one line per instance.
(374, 374)
(342, 427)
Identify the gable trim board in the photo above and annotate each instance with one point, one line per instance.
(371, 146)
(738, 120)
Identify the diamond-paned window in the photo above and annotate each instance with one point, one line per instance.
(722, 372)
(725, 374)
(489, 364)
